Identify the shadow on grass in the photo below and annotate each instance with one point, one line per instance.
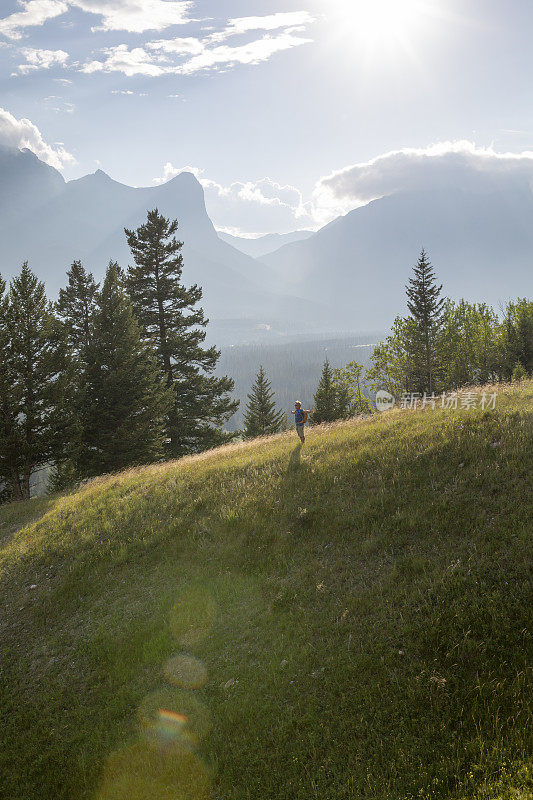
(294, 461)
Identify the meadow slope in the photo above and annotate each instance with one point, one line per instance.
(351, 619)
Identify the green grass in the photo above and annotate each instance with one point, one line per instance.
(361, 608)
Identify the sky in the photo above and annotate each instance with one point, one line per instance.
(289, 113)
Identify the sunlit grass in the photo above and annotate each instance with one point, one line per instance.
(350, 619)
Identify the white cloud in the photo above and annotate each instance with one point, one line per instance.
(134, 16)
(129, 92)
(64, 81)
(162, 58)
(251, 53)
(33, 13)
(190, 55)
(265, 205)
(21, 133)
(137, 16)
(41, 59)
(130, 62)
(262, 206)
(179, 46)
(268, 22)
(459, 164)
(170, 171)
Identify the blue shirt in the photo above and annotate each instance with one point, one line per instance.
(299, 416)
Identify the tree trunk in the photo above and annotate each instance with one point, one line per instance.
(26, 486)
(16, 487)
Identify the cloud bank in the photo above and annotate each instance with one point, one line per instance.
(265, 206)
(21, 133)
(134, 16)
(209, 51)
(191, 55)
(249, 206)
(291, 20)
(459, 164)
(33, 13)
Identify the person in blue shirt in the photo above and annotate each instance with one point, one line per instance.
(300, 418)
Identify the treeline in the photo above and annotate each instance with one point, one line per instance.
(445, 344)
(118, 375)
(339, 395)
(293, 367)
(110, 376)
(442, 345)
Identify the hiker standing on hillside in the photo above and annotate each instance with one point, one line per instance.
(300, 418)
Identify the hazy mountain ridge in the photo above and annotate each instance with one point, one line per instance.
(263, 245)
(348, 276)
(54, 222)
(480, 241)
(25, 183)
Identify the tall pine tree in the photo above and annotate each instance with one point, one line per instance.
(39, 370)
(169, 317)
(9, 465)
(425, 304)
(331, 401)
(76, 306)
(125, 402)
(261, 417)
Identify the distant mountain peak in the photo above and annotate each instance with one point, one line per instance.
(26, 182)
(263, 245)
(185, 175)
(100, 175)
(183, 179)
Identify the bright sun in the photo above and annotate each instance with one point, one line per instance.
(377, 22)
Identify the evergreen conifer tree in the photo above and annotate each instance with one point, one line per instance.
(330, 402)
(38, 368)
(9, 472)
(261, 417)
(425, 304)
(76, 306)
(169, 317)
(124, 400)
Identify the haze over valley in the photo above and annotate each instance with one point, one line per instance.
(346, 277)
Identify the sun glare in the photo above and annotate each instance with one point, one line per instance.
(381, 22)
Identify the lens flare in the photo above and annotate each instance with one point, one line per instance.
(143, 771)
(192, 616)
(174, 715)
(185, 671)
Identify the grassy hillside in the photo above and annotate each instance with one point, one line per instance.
(347, 620)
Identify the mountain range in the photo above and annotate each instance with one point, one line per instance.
(348, 276)
(263, 245)
(50, 222)
(480, 241)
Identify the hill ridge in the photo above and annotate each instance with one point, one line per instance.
(370, 637)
